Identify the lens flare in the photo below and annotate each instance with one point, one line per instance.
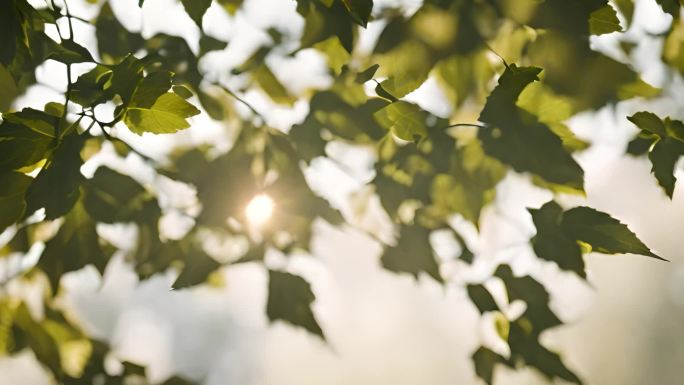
(259, 210)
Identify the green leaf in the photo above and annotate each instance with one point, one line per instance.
(322, 22)
(196, 9)
(13, 186)
(208, 43)
(168, 114)
(604, 80)
(366, 74)
(485, 360)
(114, 41)
(126, 75)
(231, 6)
(197, 268)
(289, 299)
(111, 197)
(150, 88)
(664, 141)
(183, 91)
(537, 314)
(664, 156)
(602, 232)
(75, 246)
(604, 20)
(37, 120)
(670, 6)
(626, 7)
(57, 186)
(525, 347)
(10, 31)
(272, 86)
(482, 299)
(9, 87)
(648, 122)
(88, 89)
(518, 139)
(39, 340)
(552, 243)
(69, 52)
(359, 10)
(469, 184)
(412, 253)
(406, 120)
(212, 105)
(21, 146)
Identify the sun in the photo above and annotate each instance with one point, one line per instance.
(259, 210)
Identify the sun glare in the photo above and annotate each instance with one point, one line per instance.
(259, 210)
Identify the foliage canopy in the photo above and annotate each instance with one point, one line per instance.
(513, 62)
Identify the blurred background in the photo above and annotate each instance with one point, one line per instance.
(624, 326)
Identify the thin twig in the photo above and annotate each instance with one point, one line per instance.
(465, 125)
(241, 100)
(68, 15)
(113, 139)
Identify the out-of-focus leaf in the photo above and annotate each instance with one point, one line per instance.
(322, 22)
(673, 49)
(289, 300)
(604, 79)
(481, 298)
(626, 7)
(114, 41)
(359, 10)
(13, 186)
(57, 186)
(9, 87)
(75, 246)
(39, 340)
(196, 9)
(412, 254)
(197, 267)
(673, 7)
(406, 120)
(366, 74)
(485, 360)
(208, 43)
(231, 6)
(604, 20)
(112, 197)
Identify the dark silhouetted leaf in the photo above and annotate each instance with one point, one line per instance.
(360, 10)
(481, 298)
(13, 186)
(552, 243)
(289, 299)
(196, 9)
(412, 253)
(515, 137)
